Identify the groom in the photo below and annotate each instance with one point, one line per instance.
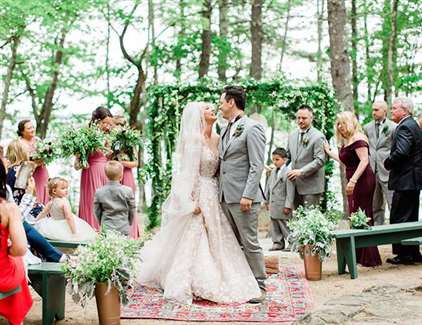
(241, 149)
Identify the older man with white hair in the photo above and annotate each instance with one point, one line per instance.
(379, 132)
(405, 166)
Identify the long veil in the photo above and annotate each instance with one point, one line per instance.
(186, 163)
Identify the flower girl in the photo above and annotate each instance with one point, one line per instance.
(62, 224)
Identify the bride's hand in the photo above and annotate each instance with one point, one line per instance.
(197, 211)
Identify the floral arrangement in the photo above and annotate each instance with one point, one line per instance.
(359, 220)
(46, 151)
(309, 226)
(82, 142)
(111, 258)
(123, 141)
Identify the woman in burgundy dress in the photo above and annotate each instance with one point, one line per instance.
(354, 155)
(93, 177)
(26, 132)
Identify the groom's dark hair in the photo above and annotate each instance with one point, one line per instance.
(236, 93)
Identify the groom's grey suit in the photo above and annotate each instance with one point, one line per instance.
(241, 165)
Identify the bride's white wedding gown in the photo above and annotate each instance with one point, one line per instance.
(198, 255)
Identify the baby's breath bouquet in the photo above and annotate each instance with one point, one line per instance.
(309, 226)
(359, 220)
(123, 141)
(111, 258)
(46, 150)
(82, 142)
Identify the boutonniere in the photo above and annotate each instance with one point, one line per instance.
(239, 130)
(384, 129)
(305, 140)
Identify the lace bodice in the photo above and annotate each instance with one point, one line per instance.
(56, 209)
(209, 162)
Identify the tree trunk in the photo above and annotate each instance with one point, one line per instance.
(369, 68)
(224, 30)
(320, 14)
(107, 58)
(286, 29)
(354, 56)
(151, 35)
(135, 101)
(340, 66)
(389, 36)
(204, 62)
(15, 40)
(392, 48)
(180, 34)
(47, 106)
(256, 39)
(339, 59)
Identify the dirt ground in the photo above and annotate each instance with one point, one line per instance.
(331, 286)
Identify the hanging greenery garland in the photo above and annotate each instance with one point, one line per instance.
(166, 102)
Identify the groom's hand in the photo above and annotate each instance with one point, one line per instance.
(245, 204)
(293, 174)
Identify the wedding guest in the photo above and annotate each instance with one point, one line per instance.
(305, 145)
(93, 177)
(114, 203)
(29, 207)
(379, 133)
(405, 166)
(354, 154)
(279, 199)
(15, 298)
(26, 133)
(128, 178)
(62, 224)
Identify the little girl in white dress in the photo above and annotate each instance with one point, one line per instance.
(62, 224)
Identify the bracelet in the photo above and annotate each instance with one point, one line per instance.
(353, 181)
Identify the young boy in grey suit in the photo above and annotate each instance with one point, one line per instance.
(114, 203)
(280, 196)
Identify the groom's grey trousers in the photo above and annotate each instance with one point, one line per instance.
(245, 227)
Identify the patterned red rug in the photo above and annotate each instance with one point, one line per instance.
(288, 298)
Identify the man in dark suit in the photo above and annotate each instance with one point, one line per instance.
(405, 165)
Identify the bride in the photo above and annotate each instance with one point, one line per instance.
(196, 254)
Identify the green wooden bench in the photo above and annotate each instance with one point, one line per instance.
(66, 244)
(48, 281)
(348, 240)
(412, 241)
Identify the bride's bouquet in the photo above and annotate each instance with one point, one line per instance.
(46, 151)
(123, 141)
(82, 142)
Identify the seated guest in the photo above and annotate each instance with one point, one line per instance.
(26, 201)
(15, 298)
(62, 223)
(114, 203)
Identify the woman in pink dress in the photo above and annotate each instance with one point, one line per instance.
(26, 132)
(93, 176)
(128, 179)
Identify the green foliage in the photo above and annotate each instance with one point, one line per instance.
(111, 258)
(309, 226)
(82, 142)
(359, 220)
(123, 143)
(165, 105)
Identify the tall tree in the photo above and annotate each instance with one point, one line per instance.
(204, 63)
(256, 39)
(224, 31)
(286, 29)
(320, 18)
(354, 55)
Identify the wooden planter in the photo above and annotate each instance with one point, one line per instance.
(313, 264)
(108, 304)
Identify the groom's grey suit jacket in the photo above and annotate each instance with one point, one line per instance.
(379, 149)
(242, 162)
(309, 157)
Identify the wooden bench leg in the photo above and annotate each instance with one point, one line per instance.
(346, 255)
(52, 290)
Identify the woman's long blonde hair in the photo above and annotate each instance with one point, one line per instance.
(351, 126)
(16, 153)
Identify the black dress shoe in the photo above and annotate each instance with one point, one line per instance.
(417, 259)
(397, 260)
(260, 299)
